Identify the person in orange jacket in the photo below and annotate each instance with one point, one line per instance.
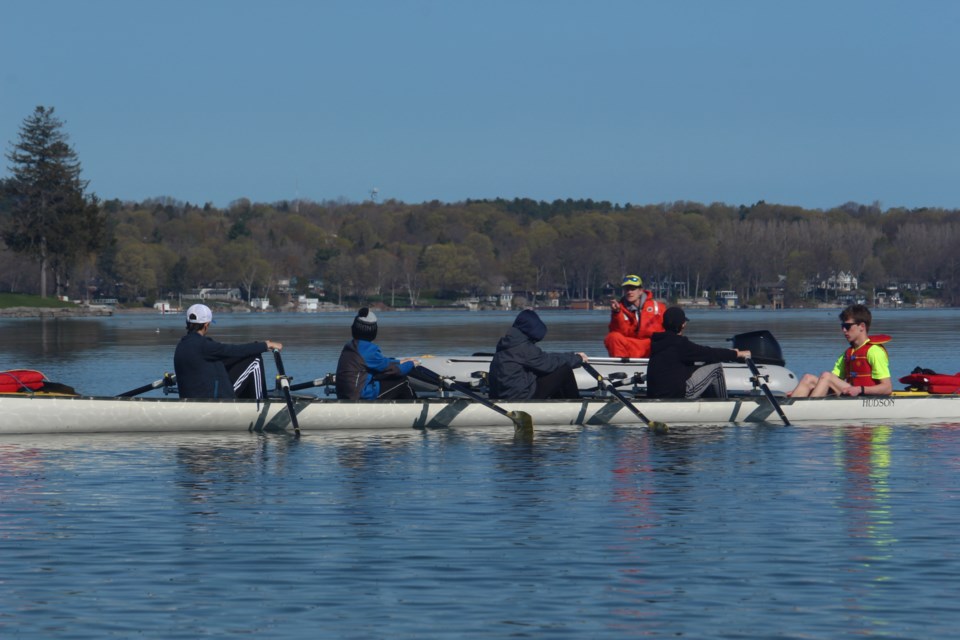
(633, 319)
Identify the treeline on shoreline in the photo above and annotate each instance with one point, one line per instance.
(405, 254)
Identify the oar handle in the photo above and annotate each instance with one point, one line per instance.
(317, 382)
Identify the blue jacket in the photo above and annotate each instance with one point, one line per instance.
(199, 364)
(360, 368)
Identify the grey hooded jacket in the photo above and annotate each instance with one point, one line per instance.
(518, 361)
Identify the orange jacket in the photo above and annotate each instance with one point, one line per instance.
(642, 323)
(859, 372)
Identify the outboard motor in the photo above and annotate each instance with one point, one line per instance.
(762, 346)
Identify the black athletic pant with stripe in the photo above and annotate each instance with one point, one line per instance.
(247, 376)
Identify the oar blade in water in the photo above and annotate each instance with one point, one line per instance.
(522, 423)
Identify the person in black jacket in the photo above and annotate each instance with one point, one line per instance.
(521, 370)
(673, 371)
(209, 369)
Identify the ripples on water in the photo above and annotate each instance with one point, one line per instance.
(710, 531)
(749, 531)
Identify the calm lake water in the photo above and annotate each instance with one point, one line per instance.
(818, 531)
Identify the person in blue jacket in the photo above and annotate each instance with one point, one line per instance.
(522, 370)
(364, 373)
(209, 369)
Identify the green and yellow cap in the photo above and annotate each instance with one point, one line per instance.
(631, 281)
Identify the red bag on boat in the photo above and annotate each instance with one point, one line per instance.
(931, 382)
(16, 380)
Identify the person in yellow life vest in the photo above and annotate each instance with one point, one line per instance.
(634, 318)
(862, 370)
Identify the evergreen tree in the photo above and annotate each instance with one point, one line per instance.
(51, 219)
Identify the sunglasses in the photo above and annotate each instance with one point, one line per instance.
(846, 325)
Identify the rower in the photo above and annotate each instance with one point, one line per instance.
(210, 369)
(522, 370)
(673, 373)
(364, 373)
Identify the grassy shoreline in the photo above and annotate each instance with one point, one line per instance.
(22, 305)
(10, 300)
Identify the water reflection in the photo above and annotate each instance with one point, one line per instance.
(591, 532)
(633, 487)
(864, 454)
(366, 470)
(21, 477)
(45, 337)
(209, 472)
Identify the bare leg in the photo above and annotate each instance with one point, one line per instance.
(804, 387)
(828, 383)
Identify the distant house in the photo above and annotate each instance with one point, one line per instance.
(260, 304)
(505, 299)
(842, 281)
(472, 303)
(727, 299)
(308, 305)
(774, 288)
(315, 285)
(213, 293)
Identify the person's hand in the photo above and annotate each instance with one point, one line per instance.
(415, 361)
(614, 306)
(743, 354)
(583, 356)
(271, 345)
(852, 391)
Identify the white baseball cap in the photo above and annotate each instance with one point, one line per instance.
(199, 314)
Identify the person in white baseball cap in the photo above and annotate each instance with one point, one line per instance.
(209, 369)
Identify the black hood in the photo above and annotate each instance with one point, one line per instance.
(530, 325)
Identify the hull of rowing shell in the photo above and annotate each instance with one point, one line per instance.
(736, 374)
(34, 414)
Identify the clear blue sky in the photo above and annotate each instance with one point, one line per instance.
(813, 103)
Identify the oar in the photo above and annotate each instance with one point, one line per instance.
(522, 421)
(283, 381)
(168, 380)
(609, 386)
(766, 390)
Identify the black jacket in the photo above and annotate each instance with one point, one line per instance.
(673, 358)
(518, 361)
(199, 363)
